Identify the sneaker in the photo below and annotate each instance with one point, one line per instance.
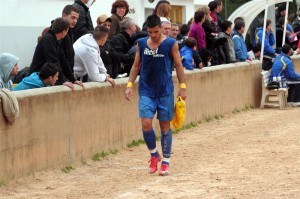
(122, 75)
(164, 170)
(153, 164)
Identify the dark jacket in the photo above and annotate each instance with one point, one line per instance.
(114, 26)
(122, 43)
(110, 59)
(84, 23)
(209, 28)
(47, 50)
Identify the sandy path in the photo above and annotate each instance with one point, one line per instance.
(239, 156)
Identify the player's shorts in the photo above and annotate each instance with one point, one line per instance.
(163, 105)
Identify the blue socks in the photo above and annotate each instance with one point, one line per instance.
(150, 139)
(166, 145)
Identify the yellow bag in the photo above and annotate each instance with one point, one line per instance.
(179, 113)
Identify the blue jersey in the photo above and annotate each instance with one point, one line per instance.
(156, 68)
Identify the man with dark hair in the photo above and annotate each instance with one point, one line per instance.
(87, 56)
(226, 50)
(183, 34)
(218, 13)
(240, 47)
(49, 50)
(85, 23)
(279, 35)
(284, 67)
(46, 77)
(153, 60)
(174, 30)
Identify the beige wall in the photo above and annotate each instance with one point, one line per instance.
(58, 127)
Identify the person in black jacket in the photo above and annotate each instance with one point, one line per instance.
(48, 50)
(122, 43)
(84, 24)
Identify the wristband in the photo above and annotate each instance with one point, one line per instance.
(182, 85)
(129, 85)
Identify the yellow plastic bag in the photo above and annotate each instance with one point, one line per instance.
(179, 113)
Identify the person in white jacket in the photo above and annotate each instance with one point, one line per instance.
(87, 58)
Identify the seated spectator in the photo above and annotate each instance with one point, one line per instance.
(105, 21)
(226, 51)
(295, 38)
(284, 66)
(183, 34)
(8, 69)
(174, 30)
(87, 56)
(267, 61)
(269, 38)
(46, 77)
(240, 47)
(197, 31)
(186, 54)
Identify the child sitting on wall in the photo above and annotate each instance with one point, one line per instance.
(187, 52)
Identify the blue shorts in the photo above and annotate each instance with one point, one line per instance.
(163, 105)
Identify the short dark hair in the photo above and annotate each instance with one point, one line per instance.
(69, 8)
(184, 29)
(282, 7)
(60, 24)
(119, 3)
(199, 15)
(239, 24)
(225, 25)
(48, 70)
(256, 48)
(219, 2)
(212, 5)
(152, 21)
(238, 19)
(190, 42)
(268, 22)
(286, 48)
(100, 32)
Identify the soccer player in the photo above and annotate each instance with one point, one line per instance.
(153, 60)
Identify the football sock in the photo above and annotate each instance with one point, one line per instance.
(166, 145)
(150, 139)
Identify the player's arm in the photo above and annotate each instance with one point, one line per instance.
(179, 71)
(133, 73)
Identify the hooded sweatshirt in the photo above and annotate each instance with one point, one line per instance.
(33, 81)
(7, 63)
(87, 59)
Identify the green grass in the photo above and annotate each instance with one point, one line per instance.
(2, 183)
(99, 156)
(67, 169)
(113, 151)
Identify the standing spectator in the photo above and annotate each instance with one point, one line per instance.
(105, 21)
(8, 69)
(165, 26)
(213, 12)
(122, 43)
(218, 13)
(227, 49)
(269, 38)
(84, 24)
(281, 11)
(119, 10)
(87, 56)
(46, 77)
(296, 22)
(240, 47)
(279, 35)
(183, 34)
(49, 50)
(197, 31)
(154, 57)
(174, 30)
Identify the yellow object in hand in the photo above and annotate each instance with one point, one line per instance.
(179, 113)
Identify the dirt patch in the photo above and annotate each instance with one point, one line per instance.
(253, 154)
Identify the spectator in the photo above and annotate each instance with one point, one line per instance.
(213, 12)
(296, 22)
(240, 48)
(119, 10)
(46, 77)
(87, 56)
(183, 34)
(269, 38)
(227, 54)
(279, 34)
(8, 69)
(218, 13)
(295, 38)
(122, 43)
(197, 31)
(84, 24)
(206, 57)
(105, 21)
(186, 54)
(165, 26)
(281, 11)
(267, 61)
(174, 30)
(283, 66)
(48, 50)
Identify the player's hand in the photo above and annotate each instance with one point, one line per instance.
(70, 85)
(79, 83)
(182, 93)
(128, 94)
(111, 81)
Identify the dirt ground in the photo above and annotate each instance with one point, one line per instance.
(252, 154)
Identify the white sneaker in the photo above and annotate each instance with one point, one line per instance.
(122, 75)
